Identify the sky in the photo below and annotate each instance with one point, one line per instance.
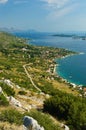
(43, 15)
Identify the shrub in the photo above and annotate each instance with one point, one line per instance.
(11, 116)
(68, 107)
(3, 100)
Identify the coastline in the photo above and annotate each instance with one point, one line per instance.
(65, 80)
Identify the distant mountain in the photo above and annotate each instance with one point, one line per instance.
(9, 30)
(12, 30)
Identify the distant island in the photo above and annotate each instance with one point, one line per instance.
(74, 36)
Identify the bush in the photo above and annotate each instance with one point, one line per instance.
(3, 100)
(68, 107)
(11, 116)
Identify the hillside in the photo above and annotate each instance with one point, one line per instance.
(27, 80)
(15, 53)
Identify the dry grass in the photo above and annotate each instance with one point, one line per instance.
(2, 108)
(8, 126)
(64, 87)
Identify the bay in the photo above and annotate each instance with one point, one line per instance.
(72, 68)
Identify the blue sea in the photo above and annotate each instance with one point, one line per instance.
(72, 68)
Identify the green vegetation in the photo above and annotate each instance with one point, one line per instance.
(69, 108)
(3, 100)
(7, 89)
(11, 116)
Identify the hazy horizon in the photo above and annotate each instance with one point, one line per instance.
(43, 15)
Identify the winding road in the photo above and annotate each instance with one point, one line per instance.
(28, 75)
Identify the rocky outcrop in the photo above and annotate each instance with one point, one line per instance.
(14, 102)
(31, 124)
(9, 83)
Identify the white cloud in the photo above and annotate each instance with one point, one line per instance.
(59, 8)
(56, 3)
(3, 1)
(55, 15)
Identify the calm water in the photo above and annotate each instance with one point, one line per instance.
(72, 68)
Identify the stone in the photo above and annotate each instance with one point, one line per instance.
(14, 101)
(31, 124)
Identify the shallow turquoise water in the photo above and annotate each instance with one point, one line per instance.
(73, 69)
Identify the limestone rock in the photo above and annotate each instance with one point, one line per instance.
(31, 124)
(15, 102)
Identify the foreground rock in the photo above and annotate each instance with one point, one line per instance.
(31, 124)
